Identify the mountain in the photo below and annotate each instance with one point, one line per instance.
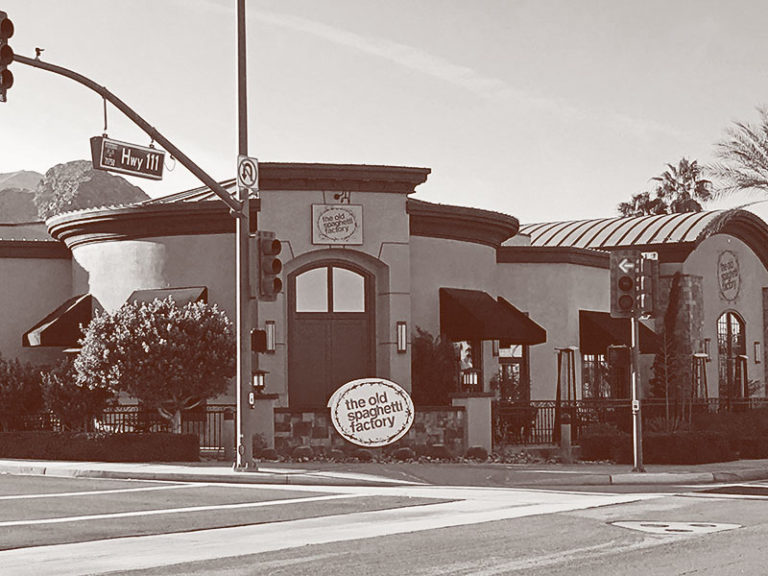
(17, 205)
(76, 185)
(23, 179)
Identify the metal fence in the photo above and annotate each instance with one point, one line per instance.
(538, 422)
(207, 423)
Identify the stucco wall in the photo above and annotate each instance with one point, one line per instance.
(30, 289)
(747, 301)
(553, 294)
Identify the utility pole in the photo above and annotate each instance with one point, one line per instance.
(244, 459)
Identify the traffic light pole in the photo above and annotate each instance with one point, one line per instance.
(239, 209)
(244, 459)
(637, 431)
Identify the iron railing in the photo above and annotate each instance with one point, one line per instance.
(538, 422)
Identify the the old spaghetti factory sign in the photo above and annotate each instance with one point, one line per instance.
(371, 412)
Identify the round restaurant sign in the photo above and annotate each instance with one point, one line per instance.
(728, 275)
(371, 412)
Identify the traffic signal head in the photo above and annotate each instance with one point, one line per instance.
(6, 54)
(624, 283)
(270, 266)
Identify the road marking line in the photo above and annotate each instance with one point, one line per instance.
(98, 492)
(173, 510)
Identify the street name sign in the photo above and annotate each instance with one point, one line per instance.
(116, 156)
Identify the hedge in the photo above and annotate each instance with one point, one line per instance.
(660, 448)
(155, 447)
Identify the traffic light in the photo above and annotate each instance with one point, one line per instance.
(270, 266)
(6, 54)
(625, 275)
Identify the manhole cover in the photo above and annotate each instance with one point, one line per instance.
(677, 527)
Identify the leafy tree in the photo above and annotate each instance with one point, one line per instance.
(171, 358)
(74, 402)
(434, 369)
(743, 155)
(20, 394)
(679, 189)
(672, 365)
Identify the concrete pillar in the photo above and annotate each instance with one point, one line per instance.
(228, 435)
(263, 412)
(478, 425)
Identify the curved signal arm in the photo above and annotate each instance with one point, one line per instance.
(234, 205)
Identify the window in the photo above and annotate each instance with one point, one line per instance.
(330, 289)
(594, 376)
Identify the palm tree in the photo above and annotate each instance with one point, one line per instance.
(744, 156)
(680, 188)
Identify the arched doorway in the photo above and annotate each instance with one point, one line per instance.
(732, 365)
(330, 331)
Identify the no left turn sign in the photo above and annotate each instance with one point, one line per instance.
(247, 172)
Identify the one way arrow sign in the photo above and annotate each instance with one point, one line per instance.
(626, 265)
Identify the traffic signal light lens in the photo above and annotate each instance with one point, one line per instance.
(6, 27)
(626, 302)
(626, 283)
(6, 79)
(6, 55)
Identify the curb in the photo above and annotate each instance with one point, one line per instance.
(238, 478)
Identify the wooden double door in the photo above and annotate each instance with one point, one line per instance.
(330, 331)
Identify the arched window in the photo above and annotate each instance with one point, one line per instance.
(330, 289)
(732, 365)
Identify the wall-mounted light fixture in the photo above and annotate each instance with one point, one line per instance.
(469, 379)
(402, 337)
(271, 329)
(258, 384)
(758, 353)
(706, 348)
(495, 348)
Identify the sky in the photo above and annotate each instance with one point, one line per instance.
(547, 110)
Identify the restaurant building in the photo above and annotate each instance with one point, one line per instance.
(366, 264)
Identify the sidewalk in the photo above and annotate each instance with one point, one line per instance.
(399, 474)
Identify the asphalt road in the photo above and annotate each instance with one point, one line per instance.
(84, 526)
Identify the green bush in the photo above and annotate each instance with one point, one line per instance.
(477, 453)
(404, 454)
(606, 442)
(687, 448)
(301, 452)
(155, 447)
(363, 455)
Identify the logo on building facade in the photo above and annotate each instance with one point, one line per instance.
(371, 412)
(337, 224)
(728, 275)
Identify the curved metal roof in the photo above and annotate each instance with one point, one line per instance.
(606, 233)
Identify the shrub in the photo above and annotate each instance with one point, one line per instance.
(404, 454)
(363, 455)
(687, 448)
(606, 442)
(440, 452)
(477, 453)
(155, 447)
(20, 394)
(74, 403)
(269, 454)
(301, 452)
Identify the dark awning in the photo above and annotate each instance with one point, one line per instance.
(475, 315)
(598, 330)
(181, 296)
(62, 326)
